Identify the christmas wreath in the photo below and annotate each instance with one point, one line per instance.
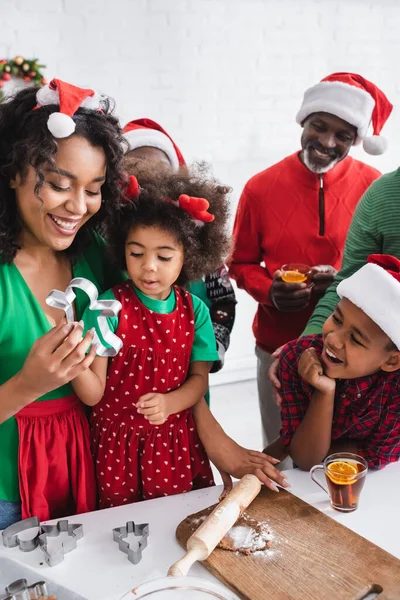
(23, 68)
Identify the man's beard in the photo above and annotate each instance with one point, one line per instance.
(314, 167)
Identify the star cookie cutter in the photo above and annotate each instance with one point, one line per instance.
(20, 590)
(11, 535)
(108, 308)
(75, 533)
(140, 530)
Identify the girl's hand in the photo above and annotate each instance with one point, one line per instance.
(311, 370)
(154, 407)
(56, 358)
(232, 459)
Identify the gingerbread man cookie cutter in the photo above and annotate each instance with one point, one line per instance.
(20, 590)
(108, 308)
(140, 530)
(11, 535)
(75, 533)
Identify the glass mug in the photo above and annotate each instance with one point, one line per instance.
(345, 477)
(296, 273)
(180, 588)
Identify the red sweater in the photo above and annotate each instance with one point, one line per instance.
(281, 219)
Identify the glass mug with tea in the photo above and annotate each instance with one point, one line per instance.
(296, 273)
(345, 477)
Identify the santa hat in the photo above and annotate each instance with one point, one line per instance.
(353, 99)
(375, 288)
(145, 132)
(69, 98)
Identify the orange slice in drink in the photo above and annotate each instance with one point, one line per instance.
(341, 472)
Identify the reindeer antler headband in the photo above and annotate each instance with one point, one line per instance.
(196, 208)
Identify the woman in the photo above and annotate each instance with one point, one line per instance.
(53, 194)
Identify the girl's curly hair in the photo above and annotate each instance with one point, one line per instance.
(205, 248)
(25, 140)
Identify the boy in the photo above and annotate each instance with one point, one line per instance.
(341, 389)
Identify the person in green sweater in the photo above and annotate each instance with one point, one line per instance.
(374, 229)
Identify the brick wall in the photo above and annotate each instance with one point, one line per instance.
(225, 77)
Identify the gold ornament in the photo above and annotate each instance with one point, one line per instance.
(7, 69)
(18, 60)
(25, 67)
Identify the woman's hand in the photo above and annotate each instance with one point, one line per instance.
(311, 370)
(273, 376)
(56, 358)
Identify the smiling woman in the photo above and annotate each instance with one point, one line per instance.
(53, 194)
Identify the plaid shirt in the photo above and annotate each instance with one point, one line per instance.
(367, 409)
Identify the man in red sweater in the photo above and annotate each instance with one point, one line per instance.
(299, 211)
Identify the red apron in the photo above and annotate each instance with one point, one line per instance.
(134, 459)
(56, 471)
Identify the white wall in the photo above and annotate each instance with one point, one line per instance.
(225, 77)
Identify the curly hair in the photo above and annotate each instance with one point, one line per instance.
(205, 248)
(25, 140)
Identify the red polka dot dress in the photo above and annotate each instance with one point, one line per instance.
(134, 459)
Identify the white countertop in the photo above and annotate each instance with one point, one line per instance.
(97, 570)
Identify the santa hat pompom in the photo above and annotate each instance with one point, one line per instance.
(375, 145)
(60, 125)
(69, 98)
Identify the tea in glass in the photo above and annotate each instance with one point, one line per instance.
(345, 477)
(295, 273)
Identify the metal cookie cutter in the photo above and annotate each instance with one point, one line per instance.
(11, 535)
(141, 530)
(20, 590)
(75, 533)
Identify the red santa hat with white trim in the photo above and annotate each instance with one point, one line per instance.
(353, 99)
(375, 288)
(145, 132)
(69, 98)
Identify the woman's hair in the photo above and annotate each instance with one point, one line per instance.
(205, 247)
(25, 140)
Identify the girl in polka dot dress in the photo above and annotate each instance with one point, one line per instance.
(144, 437)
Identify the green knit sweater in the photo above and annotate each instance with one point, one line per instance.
(374, 229)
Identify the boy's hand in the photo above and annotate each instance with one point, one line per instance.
(154, 407)
(311, 370)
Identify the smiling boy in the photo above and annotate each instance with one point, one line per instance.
(341, 389)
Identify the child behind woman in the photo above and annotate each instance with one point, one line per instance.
(144, 438)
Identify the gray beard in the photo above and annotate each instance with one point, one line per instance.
(316, 168)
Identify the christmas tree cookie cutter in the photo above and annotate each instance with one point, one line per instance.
(140, 530)
(20, 590)
(11, 535)
(75, 533)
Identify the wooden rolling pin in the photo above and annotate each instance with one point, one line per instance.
(203, 541)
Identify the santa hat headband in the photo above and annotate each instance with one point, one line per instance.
(145, 132)
(353, 99)
(375, 288)
(69, 98)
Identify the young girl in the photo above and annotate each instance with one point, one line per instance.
(144, 437)
(54, 189)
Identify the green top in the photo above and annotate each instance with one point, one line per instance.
(204, 345)
(375, 229)
(22, 323)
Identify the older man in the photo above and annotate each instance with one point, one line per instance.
(299, 210)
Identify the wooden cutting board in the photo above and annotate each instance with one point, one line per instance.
(312, 557)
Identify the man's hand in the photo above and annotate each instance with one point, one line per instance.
(289, 297)
(273, 377)
(153, 407)
(311, 370)
(322, 278)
